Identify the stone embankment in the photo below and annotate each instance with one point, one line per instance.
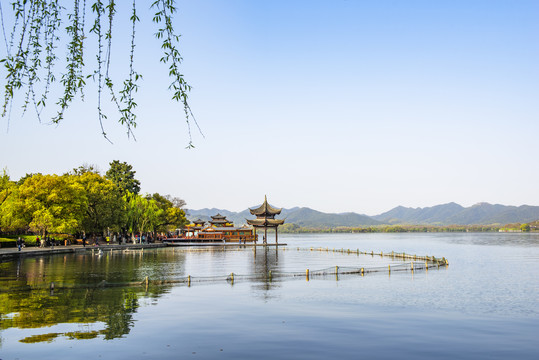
(7, 254)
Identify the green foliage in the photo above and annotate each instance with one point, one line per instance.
(84, 200)
(6, 187)
(142, 214)
(36, 35)
(123, 175)
(525, 227)
(52, 203)
(105, 205)
(170, 216)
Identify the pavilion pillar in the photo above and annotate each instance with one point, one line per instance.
(265, 235)
(276, 241)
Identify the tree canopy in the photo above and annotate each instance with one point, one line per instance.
(123, 175)
(85, 201)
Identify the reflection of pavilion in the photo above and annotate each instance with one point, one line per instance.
(265, 218)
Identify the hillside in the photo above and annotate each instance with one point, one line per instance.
(445, 214)
(300, 216)
(451, 213)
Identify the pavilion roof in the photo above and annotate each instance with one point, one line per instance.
(218, 216)
(265, 209)
(199, 221)
(219, 221)
(265, 222)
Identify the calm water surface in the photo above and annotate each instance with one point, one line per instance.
(484, 305)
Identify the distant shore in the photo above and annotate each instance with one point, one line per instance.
(296, 229)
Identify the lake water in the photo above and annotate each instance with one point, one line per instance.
(485, 305)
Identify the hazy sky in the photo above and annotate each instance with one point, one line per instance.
(335, 105)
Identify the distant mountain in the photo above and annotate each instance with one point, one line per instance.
(300, 216)
(430, 215)
(311, 218)
(446, 214)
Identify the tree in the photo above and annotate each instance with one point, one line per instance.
(6, 187)
(52, 203)
(31, 56)
(525, 227)
(171, 215)
(85, 168)
(142, 214)
(10, 214)
(105, 204)
(123, 175)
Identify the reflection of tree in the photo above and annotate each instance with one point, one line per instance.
(26, 300)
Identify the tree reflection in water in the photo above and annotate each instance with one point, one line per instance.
(80, 295)
(105, 291)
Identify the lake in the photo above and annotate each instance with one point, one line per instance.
(484, 305)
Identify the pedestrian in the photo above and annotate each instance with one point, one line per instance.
(38, 242)
(83, 240)
(19, 243)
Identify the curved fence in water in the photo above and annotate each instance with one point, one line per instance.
(407, 263)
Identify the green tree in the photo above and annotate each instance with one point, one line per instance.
(142, 214)
(52, 203)
(172, 215)
(105, 205)
(10, 214)
(123, 175)
(6, 187)
(525, 227)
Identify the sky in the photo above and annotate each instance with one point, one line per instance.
(334, 105)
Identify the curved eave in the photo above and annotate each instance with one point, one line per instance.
(265, 208)
(265, 222)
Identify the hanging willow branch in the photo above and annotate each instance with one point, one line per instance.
(31, 50)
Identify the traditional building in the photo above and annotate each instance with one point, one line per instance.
(220, 229)
(242, 234)
(265, 218)
(220, 221)
(191, 230)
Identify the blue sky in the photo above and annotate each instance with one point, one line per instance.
(335, 105)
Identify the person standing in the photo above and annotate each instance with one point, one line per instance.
(19, 243)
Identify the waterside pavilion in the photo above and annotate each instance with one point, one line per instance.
(265, 218)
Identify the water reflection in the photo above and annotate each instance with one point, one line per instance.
(265, 260)
(105, 289)
(81, 289)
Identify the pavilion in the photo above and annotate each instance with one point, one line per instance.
(220, 221)
(265, 218)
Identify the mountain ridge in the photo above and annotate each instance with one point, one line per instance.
(443, 214)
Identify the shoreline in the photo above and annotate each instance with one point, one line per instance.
(8, 254)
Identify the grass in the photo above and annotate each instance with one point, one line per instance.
(11, 240)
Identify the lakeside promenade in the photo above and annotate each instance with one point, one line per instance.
(12, 253)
